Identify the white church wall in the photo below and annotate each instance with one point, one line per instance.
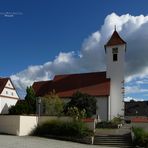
(115, 71)
(102, 108)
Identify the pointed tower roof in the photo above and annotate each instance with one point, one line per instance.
(115, 40)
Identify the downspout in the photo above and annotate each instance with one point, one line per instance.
(109, 108)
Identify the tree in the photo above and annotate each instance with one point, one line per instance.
(21, 108)
(30, 94)
(83, 101)
(52, 104)
(30, 98)
(27, 106)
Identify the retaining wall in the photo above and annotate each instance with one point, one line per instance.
(23, 125)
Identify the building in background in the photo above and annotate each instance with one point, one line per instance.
(8, 95)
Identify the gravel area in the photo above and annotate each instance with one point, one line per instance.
(7, 141)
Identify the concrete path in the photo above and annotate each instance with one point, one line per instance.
(7, 141)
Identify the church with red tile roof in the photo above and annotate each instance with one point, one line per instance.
(107, 87)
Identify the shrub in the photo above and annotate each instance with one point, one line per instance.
(52, 104)
(83, 101)
(105, 124)
(75, 113)
(141, 137)
(61, 128)
(117, 120)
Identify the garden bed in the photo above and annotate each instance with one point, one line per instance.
(72, 131)
(107, 125)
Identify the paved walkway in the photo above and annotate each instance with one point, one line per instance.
(7, 141)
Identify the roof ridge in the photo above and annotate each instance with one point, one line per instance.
(81, 73)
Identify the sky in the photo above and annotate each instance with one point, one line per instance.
(42, 38)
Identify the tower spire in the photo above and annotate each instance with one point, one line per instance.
(115, 27)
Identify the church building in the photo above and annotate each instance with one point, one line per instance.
(107, 86)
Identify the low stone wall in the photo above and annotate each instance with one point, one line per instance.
(10, 124)
(140, 125)
(23, 125)
(17, 125)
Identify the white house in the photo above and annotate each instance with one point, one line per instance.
(8, 95)
(107, 87)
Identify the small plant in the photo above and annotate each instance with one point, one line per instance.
(75, 113)
(117, 120)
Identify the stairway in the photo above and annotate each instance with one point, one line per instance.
(122, 141)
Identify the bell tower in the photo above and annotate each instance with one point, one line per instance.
(115, 50)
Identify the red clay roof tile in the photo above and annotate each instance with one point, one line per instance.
(3, 82)
(95, 84)
(115, 40)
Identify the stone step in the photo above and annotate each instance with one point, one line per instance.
(115, 140)
(116, 145)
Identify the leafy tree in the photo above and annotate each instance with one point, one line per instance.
(20, 108)
(83, 101)
(27, 106)
(31, 100)
(30, 94)
(52, 104)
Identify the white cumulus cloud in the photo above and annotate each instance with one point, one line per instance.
(91, 57)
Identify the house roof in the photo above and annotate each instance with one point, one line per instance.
(115, 40)
(94, 83)
(3, 82)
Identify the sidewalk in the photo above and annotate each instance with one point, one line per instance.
(7, 141)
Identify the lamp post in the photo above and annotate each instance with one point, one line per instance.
(39, 107)
(136, 113)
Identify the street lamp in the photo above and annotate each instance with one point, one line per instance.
(39, 107)
(136, 113)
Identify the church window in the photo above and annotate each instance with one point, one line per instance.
(115, 57)
(115, 50)
(115, 54)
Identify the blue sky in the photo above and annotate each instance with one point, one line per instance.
(47, 28)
